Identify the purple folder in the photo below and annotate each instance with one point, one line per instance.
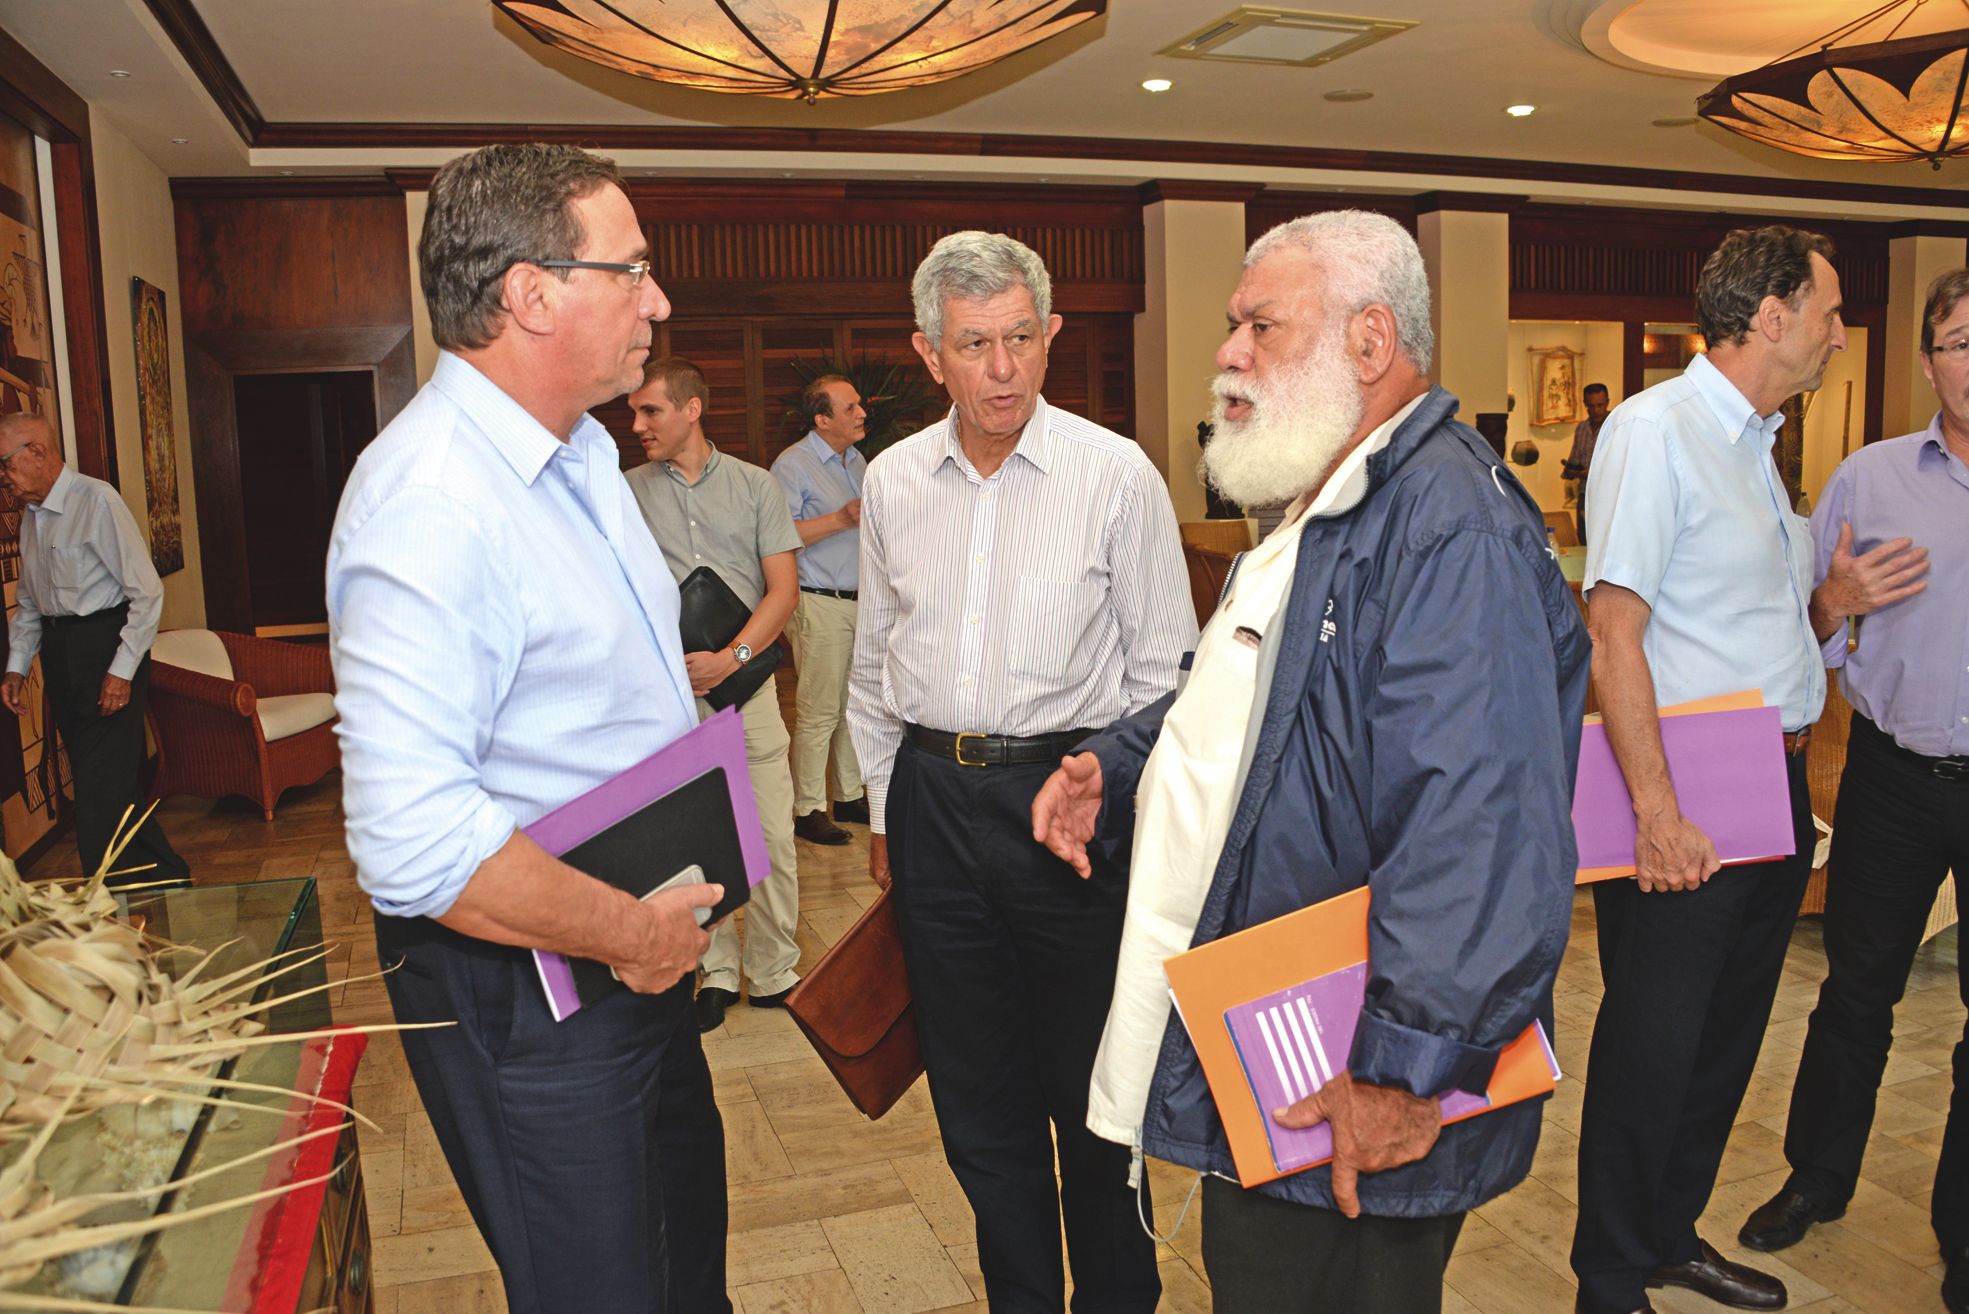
(1729, 774)
(716, 748)
(1293, 1042)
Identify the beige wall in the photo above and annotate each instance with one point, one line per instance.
(1192, 252)
(133, 209)
(1468, 256)
(1602, 343)
(414, 206)
(1908, 403)
(1826, 423)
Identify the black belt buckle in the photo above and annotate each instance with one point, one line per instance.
(958, 748)
(1951, 768)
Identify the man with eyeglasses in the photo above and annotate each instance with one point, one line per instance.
(1893, 557)
(505, 637)
(89, 603)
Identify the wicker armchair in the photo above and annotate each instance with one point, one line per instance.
(241, 715)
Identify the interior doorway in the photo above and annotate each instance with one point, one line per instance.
(299, 435)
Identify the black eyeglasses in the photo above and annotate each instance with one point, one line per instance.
(637, 272)
(1957, 351)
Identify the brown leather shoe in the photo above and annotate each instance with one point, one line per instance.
(1737, 1285)
(815, 828)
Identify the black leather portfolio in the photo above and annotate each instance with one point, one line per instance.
(711, 617)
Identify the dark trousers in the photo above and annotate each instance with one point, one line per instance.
(1689, 980)
(1900, 829)
(1270, 1256)
(104, 752)
(589, 1151)
(1011, 961)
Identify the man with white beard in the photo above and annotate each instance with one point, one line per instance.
(1389, 695)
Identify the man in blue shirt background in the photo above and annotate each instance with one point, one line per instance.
(505, 638)
(822, 476)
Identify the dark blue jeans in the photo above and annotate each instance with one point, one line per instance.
(1900, 829)
(589, 1151)
(1011, 961)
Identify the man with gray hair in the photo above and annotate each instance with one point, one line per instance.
(505, 639)
(1021, 581)
(1346, 723)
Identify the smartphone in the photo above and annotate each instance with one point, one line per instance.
(691, 875)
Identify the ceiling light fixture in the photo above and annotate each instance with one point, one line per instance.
(1157, 84)
(809, 49)
(181, 141)
(1348, 96)
(1519, 111)
(1860, 92)
(119, 72)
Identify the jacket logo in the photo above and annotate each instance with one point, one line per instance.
(1327, 628)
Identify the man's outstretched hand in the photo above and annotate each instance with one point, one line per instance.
(1375, 1128)
(1064, 810)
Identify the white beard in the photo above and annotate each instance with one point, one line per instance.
(1299, 423)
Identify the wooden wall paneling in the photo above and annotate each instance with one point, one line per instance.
(292, 263)
(1271, 208)
(1874, 320)
(1633, 370)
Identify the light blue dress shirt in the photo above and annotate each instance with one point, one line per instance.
(81, 554)
(1684, 507)
(818, 482)
(1910, 673)
(504, 633)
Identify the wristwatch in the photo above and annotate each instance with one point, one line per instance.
(742, 651)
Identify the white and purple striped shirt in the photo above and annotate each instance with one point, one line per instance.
(1051, 596)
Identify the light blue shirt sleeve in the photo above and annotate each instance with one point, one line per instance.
(792, 475)
(1631, 519)
(429, 636)
(1834, 508)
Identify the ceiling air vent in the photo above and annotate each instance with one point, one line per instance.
(1260, 34)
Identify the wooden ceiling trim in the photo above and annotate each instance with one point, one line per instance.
(215, 72)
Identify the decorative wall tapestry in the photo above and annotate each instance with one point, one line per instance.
(1555, 385)
(167, 535)
(31, 772)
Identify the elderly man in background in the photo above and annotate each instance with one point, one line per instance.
(504, 633)
(1347, 723)
(1585, 436)
(709, 509)
(1698, 581)
(89, 602)
(1021, 582)
(822, 476)
(1890, 512)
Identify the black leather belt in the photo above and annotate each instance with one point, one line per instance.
(846, 595)
(1948, 768)
(119, 612)
(969, 748)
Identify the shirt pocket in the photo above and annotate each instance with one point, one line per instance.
(69, 571)
(1054, 628)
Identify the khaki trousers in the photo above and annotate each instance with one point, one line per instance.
(774, 910)
(822, 632)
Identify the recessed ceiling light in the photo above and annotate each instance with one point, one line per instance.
(1685, 121)
(287, 173)
(1157, 84)
(1349, 96)
(181, 141)
(119, 72)
(1519, 111)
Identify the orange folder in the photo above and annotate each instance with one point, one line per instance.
(1740, 701)
(1276, 955)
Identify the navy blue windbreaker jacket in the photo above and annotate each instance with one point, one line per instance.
(1423, 744)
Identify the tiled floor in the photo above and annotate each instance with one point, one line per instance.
(830, 1212)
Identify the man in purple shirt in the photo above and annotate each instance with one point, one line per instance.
(1903, 817)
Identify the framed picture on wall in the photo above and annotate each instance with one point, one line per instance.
(153, 344)
(1555, 386)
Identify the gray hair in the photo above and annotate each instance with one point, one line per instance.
(36, 425)
(489, 211)
(1367, 259)
(976, 266)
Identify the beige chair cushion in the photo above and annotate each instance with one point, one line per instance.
(194, 650)
(290, 714)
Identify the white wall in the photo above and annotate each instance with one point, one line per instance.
(1826, 421)
(1602, 343)
(139, 240)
